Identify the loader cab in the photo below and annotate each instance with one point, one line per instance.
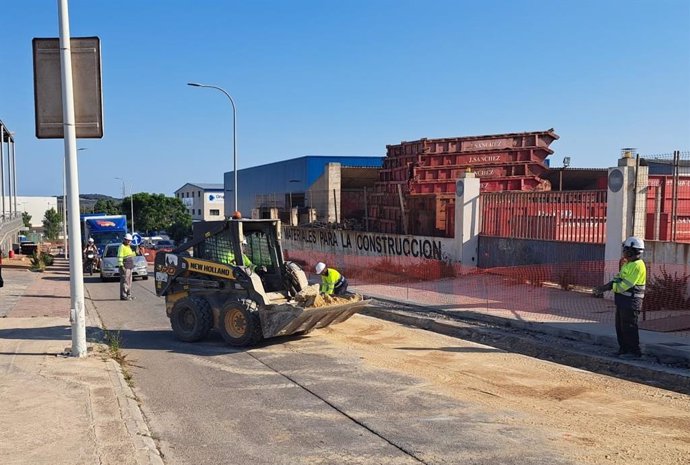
(262, 249)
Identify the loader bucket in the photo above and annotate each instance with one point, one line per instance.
(282, 320)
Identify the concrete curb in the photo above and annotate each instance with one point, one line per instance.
(146, 451)
(665, 354)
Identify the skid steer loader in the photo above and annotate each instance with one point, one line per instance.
(247, 299)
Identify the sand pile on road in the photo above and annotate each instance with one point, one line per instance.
(310, 297)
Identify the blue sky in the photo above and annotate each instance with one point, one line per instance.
(347, 78)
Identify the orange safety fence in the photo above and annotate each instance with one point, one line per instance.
(534, 293)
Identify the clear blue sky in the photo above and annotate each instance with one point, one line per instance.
(347, 78)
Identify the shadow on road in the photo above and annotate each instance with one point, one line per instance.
(48, 333)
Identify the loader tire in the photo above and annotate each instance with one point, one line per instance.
(191, 319)
(239, 323)
(297, 279)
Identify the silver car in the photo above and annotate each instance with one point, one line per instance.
(109, 268)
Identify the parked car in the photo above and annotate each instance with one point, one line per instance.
(164, 245)
(109, 269)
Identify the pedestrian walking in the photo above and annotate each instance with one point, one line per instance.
(125, 263)
(628, 288)
(332, 282)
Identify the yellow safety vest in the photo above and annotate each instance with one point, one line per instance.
(631, 279)
(123, 252)
(329, 280)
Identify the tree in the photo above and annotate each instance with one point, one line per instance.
(156, 212)
(26, 219)
(107, 206)
(52, 223)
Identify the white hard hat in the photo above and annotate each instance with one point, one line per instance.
(128, 237)
(634, 243)
(90, 239)
(320, 267)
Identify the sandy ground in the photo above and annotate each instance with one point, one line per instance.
(599, 419)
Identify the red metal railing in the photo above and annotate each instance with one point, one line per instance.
(573, 216)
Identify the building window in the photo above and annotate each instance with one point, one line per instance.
(198, 194)
(214, 212)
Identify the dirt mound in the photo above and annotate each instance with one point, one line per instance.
(310, 297)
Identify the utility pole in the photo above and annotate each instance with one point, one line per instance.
(131, 200)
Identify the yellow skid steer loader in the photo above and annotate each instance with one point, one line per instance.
(232, 277)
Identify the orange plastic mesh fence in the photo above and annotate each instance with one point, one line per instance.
(536, 293)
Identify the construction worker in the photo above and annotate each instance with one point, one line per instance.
(628, 288)
(230, 257)
(125, 263)
(332, 282)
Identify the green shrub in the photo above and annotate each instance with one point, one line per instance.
(37, 263)
(47, 259)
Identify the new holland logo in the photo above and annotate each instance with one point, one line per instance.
(214, 269)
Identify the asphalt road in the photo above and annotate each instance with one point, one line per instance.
(373, 392)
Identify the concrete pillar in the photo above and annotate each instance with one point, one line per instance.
(626, 209)
(467, 215)
(294, 217)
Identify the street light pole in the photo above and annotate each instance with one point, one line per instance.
(234, 136)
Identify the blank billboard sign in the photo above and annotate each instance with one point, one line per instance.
(86, 80)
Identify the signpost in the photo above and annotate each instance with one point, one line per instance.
(57, 92)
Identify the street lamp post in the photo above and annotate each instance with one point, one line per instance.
(131, 200)
(234, 135)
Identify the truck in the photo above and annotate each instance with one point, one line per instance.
(103, 229)
(263, 297)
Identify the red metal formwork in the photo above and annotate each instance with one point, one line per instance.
(486, 157)
(453, 173)
(516, 183)
(473, 143)
(425, 173)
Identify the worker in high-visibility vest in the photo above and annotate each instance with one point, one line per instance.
(332, 282)
(628, 288)
(229, 257)
(125, 263)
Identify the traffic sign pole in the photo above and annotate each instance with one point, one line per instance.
(77, 311)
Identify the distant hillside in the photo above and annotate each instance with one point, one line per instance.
(88, 201)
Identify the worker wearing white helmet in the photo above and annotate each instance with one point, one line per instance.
(332, 282)
(628, 288)
(125, 262)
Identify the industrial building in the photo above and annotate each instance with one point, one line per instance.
(36, 207)
(316, 185)
(204, 202)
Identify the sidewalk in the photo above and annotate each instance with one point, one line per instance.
(553, 311)
(57, 409)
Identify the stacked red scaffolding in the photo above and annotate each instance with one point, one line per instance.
(415, 193)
